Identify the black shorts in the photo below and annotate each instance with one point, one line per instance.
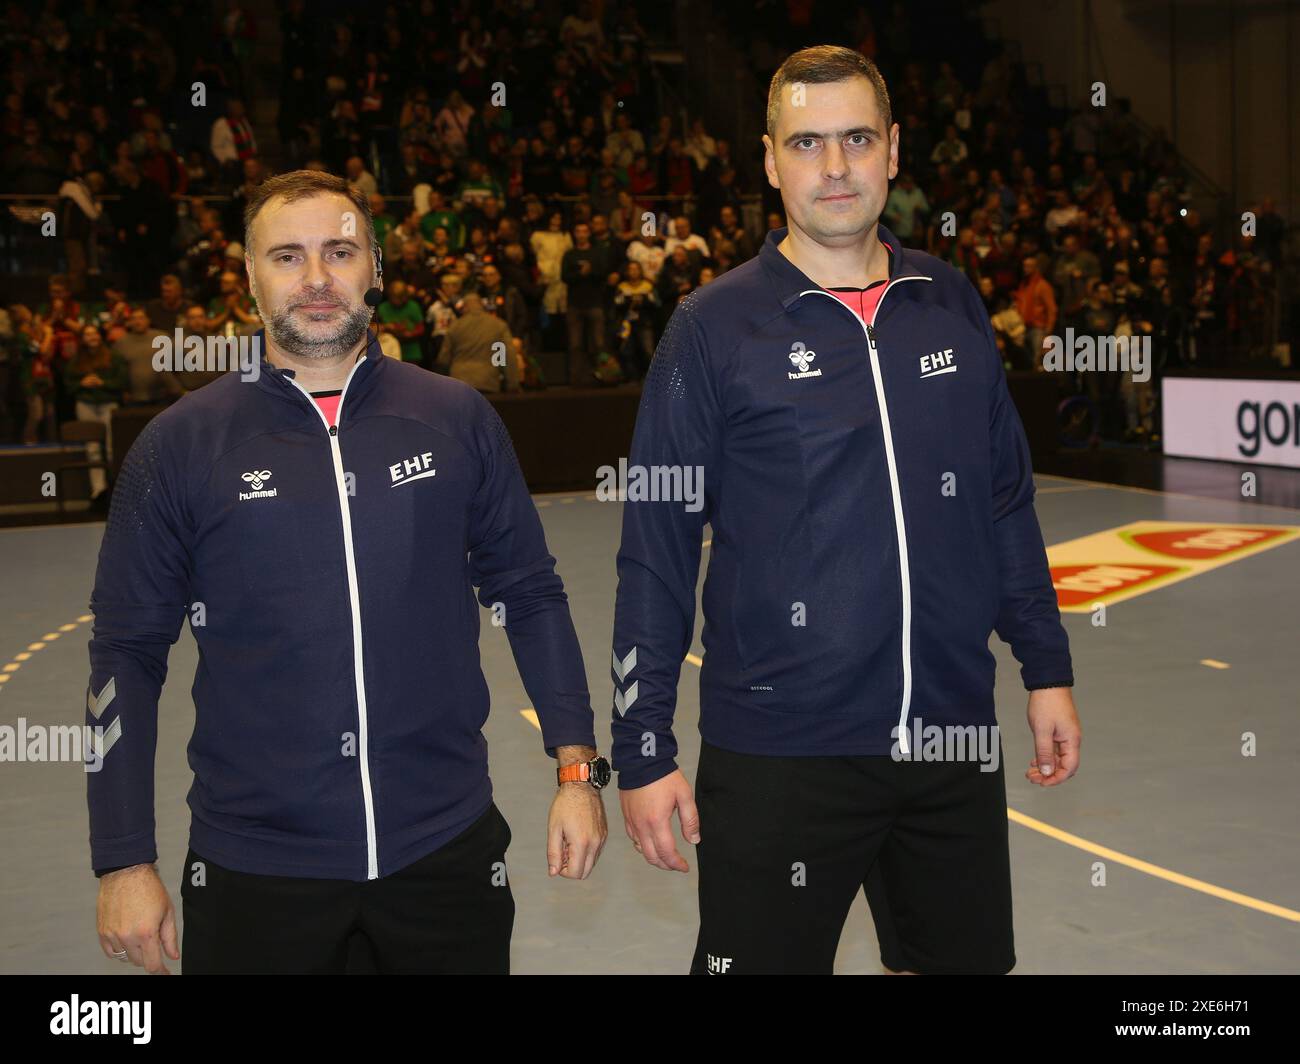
(450, 912)
(787, 842)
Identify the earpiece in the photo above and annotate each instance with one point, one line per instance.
(375, 296)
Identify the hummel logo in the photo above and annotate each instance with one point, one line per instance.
(939, 362)
(417, 467)
(623, 701)
(802, 358)
(257, 480)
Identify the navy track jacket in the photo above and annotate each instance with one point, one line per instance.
(870, 499)
(327, 578)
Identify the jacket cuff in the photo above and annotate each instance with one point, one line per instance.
(642, 775)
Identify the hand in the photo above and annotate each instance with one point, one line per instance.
(575, 831)
(134, 913)
(647, 818)
(92, 380)
(1057, 736)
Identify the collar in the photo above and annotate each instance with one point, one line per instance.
(788, 280)
(274, 377)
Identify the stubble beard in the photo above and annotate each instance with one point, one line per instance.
(292, 338)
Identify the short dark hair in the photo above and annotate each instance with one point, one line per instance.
(819, 65)
(304, 184)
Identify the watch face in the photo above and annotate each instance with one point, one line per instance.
(600, 773)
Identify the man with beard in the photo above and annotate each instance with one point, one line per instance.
(322, 523)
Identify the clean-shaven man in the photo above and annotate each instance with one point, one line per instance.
(869, 494)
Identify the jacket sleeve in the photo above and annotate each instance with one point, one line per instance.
(1028, 616)
(678, 433)
(142, 590)
(510, 565)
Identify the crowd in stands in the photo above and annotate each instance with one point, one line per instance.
(565, 211)
(525, 188)
(1081, 222)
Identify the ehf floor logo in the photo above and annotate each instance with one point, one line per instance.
(1121, 563)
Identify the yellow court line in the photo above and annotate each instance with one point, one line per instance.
(8, 670)
(1042, 827)
(1134, 862)
(1152, 870)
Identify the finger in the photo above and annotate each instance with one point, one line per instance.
(1045, 750)
(169, 934)
(572, 859)
(134, 953)
(153, 962)
(690, 818)
(593, 855)
(577, 859)
(647, 847)
(555, 849)
(667, 849)
(111, 947)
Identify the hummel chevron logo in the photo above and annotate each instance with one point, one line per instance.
(621, 669)
(96, 704)
(624, 702)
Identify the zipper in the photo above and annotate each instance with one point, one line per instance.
(900, 530)
(354, 603)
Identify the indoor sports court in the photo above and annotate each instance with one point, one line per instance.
(322, 330)
(1198, 842)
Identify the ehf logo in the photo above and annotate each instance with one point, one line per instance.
(802, 358)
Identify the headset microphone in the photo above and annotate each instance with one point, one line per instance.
(375, 296)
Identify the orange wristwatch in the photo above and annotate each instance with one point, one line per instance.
(596, 772)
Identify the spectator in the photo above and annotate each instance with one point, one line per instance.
(479, 350)
(359, 177)
(904, 203)
(136, 348)
(682, 236)
(232, 138)
(232, 309)
(442, 312)
(453, 122)
(504, 302)
(587, 272)
(401, 316)
(549, 247)
(166, 309)
(1036, 304)
(636, 303)
(96, 378)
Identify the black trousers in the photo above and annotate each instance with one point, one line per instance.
(787, 842)
(450, 912)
